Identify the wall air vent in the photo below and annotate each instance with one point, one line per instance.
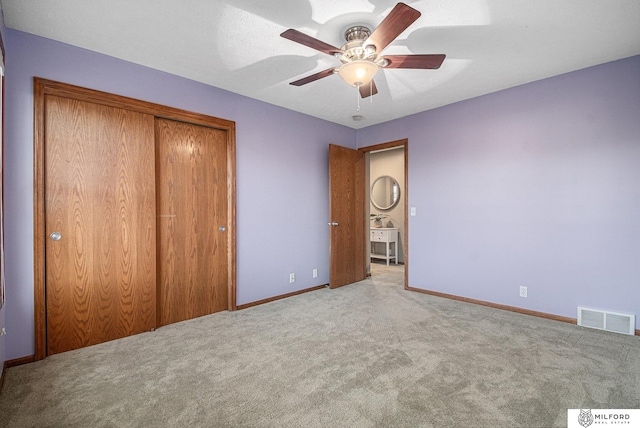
(605, 320)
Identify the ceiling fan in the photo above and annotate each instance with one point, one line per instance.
(361, 55)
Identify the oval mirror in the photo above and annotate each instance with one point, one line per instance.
(385, 193)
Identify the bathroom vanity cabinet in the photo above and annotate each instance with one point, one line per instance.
(387, 236)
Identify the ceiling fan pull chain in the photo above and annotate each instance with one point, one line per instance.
(358, 96)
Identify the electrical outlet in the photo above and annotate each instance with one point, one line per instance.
(292, 278)
(523, 291)
(315, 273)
(3, 332)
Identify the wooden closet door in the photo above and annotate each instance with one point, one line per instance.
(191, 171)
(100, 198)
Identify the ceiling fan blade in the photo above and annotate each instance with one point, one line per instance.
(400, 17)
(314, 77)
(309, 41)
(415, 61)
(368, 90)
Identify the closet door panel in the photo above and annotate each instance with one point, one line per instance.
(100, 199)
(192, 240)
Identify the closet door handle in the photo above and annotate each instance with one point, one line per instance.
(333, 223)
(222, 228)
(55, 236)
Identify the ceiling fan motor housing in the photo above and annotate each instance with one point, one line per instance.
(357, 32)
(354, 50)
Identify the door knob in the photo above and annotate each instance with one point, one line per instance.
(55, 236)
(333, 223)
(222, 228)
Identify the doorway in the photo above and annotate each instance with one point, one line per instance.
(349, 214)
(386, 196)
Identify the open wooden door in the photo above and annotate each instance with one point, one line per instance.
(347, 216)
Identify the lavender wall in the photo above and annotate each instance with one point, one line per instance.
(535, 186)
(2, 310)
(282, 172)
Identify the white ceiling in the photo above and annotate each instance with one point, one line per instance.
(235, 45)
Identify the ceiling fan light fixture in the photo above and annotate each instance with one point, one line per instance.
(358, 73)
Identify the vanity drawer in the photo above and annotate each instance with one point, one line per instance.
(380, 235)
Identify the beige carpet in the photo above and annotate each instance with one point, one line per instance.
(366, 355)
